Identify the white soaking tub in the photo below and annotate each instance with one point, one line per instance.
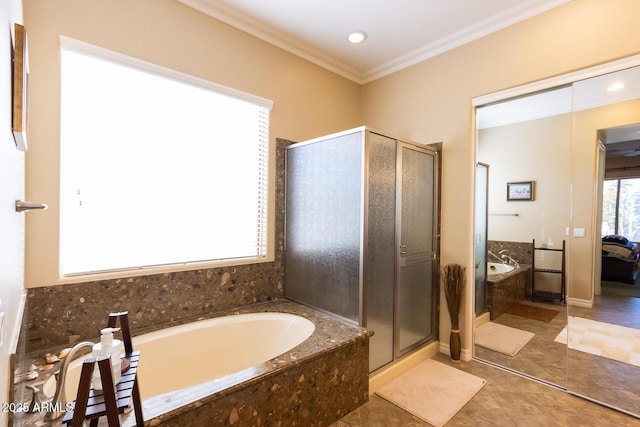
(498, 268)
(187, 355)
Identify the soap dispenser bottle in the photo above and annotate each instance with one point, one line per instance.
(112, 348)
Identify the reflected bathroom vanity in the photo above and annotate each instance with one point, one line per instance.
(551, 133)
(360, 235)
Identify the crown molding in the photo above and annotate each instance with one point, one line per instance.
(496, 23)
(270, 35)
(243, 22)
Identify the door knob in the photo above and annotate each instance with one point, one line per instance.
(27, 206)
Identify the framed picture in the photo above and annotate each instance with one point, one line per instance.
(520, 190)
(20, 88)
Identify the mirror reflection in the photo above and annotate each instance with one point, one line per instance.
(524, 153)
(557, 230)
(603, 360)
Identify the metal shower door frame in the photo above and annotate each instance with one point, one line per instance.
(426, 257)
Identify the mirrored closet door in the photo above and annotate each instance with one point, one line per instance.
(560, 297)
(603, 360)
(524, 143)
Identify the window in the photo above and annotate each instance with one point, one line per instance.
(621, 208)
(157, 168)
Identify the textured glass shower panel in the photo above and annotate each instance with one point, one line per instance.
(324, 224)
(415, 285)
(380, 259)
(415, 304)
(482, 180)
(417, 200)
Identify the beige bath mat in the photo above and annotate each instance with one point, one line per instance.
(501, 338)
(432, 391)
(603, 339)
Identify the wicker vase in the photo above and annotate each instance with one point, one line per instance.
(455, 345)
(453, 284)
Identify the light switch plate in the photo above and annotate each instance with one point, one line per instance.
(578, 232)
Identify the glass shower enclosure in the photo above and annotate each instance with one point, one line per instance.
(482, 193)
(360, 235)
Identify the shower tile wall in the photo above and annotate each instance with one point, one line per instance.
(63, 314)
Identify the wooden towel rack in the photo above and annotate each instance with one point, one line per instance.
(112, 400)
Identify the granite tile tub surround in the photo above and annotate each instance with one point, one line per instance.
(64, 314)
(313, 384)
(520, 251)
(317, 392)
(506, 290)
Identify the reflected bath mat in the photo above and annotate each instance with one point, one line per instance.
(501, 338)
(533, 312)
(432, 391)
(603, 339)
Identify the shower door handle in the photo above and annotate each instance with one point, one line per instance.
(22, 206)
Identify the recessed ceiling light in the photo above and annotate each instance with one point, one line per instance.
(357, 37)
(615, 86)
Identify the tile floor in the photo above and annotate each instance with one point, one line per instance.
(542, 357)
(506, 400)
(511, 400)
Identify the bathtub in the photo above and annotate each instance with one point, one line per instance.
(271, 378)
(506, 286)
(498, 268)
(268, 363)
(187, 355)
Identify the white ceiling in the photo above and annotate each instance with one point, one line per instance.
(400, 32)
(581, 95)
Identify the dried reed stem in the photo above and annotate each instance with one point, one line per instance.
(453, 283)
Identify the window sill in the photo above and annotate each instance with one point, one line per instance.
(147, 271)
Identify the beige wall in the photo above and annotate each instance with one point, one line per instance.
(535, 150)
(308, 100)
(539, 151)
(431, 101)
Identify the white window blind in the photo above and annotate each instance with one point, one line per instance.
(157, 168)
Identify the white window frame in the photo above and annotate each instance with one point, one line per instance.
(104, 54)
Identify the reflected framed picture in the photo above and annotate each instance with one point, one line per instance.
(520, 191)
(20, 87)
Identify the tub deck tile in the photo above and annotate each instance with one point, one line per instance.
(315, 383)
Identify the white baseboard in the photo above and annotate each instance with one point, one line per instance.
(465, 354)
(482, 319)
(580, 302)
(394, 370)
